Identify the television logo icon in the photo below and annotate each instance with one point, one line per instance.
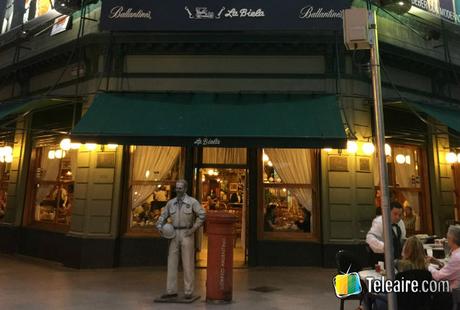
(347, 284)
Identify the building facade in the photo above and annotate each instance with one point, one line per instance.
(267, 118)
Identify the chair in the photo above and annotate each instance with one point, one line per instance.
(414, 300)
(347, 262)
(456, 299)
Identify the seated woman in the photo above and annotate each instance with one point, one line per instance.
(413, 256)
(270, 217)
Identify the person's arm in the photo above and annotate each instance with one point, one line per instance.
(374, 236)
(163, 217)
(200, 216)
(448, 272)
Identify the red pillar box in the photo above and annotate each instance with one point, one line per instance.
(221, 234)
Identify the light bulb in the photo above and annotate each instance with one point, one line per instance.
(352, 147)
(387, 149)
(265, 157)
(59, 154)
(51, 155)
(9, 158)
(451, 158)
(458, 157)
(65, 144)
(7, 150)
(2, 152)
(368, 148)
(147, 174)
(112, 147)
(400, 159)
(270, 164)
(91, 146)
(327, 149)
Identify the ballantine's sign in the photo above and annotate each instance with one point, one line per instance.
(121, 12)
(310, 12)
(222, 15)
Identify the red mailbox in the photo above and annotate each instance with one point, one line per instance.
(221, 234)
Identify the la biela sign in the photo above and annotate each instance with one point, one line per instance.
(222, 15)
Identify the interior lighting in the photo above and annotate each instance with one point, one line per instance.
(368, 148)
(451, 158)
(352, 147)
(65, 144)
(400, 159)
(75, 145)
(387, 149)
(51, 155)
(91, 146)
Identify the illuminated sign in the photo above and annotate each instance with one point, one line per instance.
(448, 10)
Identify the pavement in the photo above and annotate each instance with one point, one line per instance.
(30, 284)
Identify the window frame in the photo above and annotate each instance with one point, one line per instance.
(314, 234)
(127, 230)
(32, 181)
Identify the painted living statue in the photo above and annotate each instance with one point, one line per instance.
(186, 216)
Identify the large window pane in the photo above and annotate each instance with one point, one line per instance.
(54, 184)
(154, 172)
(288, 192)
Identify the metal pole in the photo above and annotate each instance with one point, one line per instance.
(380, 136)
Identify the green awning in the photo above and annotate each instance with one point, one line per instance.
(23, 106)
(448, 115)
(213, 120)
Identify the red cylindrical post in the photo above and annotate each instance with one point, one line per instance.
(221, 234)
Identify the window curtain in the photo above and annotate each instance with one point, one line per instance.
(221, 155)
(405, 172)
(151, 163)
(294, 167)
(50, 171)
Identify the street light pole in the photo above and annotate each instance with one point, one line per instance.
(380, 137)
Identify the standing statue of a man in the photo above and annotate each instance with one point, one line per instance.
(186, 216)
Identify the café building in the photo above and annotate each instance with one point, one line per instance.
(271, 124)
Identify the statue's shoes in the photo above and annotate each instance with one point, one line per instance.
(167, 296)
(188, 296)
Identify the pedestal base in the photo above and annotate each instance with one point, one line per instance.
(177, 300)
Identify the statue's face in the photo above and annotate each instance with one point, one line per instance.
(180, 189)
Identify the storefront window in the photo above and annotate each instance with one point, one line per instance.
(288, 192)
(4, 180)
(406, 181)
(53, 184)
(154, 171)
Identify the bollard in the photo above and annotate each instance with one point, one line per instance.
(221, 234)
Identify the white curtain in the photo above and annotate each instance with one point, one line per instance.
(294, 167)
(405, 172)
(220, 155)
(151, 163)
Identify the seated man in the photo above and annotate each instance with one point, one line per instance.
(451, 271)
(374, 237)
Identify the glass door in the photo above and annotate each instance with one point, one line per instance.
(224, 189)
